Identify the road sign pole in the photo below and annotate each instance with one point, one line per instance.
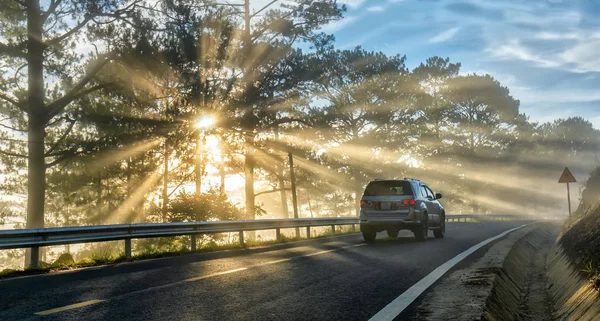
(569, 199)
(567, 177)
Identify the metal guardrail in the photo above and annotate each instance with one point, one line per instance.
(34, 238)
(499, 217)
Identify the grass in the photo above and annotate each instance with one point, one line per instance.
(119, 257)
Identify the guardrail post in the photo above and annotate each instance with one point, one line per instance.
(353, 228)
(127, 248)
(308, 232)
(332, 229)
(241, 237)
(193, 242)
(34, 257)
(278, 234)
(297, 232)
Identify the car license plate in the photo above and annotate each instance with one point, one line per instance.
(386, 206)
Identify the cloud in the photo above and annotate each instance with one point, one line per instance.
(514, 50)
(473, 10)
(372, 34)
(583, 57)
(558, 96)
(339, 24)
(445, 35)
(547, 35)
(505, 79)
(375, 8)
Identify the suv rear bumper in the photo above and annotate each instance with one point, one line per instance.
(385, 225)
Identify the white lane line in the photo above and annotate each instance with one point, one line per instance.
(214, 274)
(69, 307)
(396, 307)
(306, 255)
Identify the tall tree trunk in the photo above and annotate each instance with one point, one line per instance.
(222, 176)
(248, 160)
(249, 179)
(198, 168)
(36, 113)
(357, 196)
(126, 212)
(283, 195)
(309, 204)
(99, 199)
(284, 202)
(165, 194)
(358, 189)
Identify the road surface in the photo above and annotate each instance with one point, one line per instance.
(336, 278)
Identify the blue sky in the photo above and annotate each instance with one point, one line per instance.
(546, 51)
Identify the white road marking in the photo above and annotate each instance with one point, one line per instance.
(69, 307)
(396, 307)
(198, 278)
(214, 274)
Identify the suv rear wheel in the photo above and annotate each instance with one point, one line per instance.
(369, 235)
(439, 233)
(422, 231)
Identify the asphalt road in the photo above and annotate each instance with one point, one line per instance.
(337, 278)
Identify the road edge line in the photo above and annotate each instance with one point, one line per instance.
(398, 305)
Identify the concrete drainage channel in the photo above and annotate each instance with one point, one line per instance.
(573, 296)
(525, 276)
(519, 288)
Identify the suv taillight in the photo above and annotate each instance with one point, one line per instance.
(408, 202)
(366, 204)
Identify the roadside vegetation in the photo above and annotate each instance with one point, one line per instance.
(66, 262)
(581, 235)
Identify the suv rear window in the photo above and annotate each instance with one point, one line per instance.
(388, 188)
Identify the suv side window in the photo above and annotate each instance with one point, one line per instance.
(429, 192)
(423, 191)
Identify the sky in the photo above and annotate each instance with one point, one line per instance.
(547, 52)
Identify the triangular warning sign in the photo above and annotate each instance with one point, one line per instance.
(567, 177)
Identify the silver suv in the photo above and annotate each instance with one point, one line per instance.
(393, 205)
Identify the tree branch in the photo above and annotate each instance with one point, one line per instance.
(51, 9)
(12, 154)
(67, 34)
(181, 183)
(58, 105)
(12, 128)
(62, 137)
(13, 101)
(285, 120)
(15, 51)
(272, 191)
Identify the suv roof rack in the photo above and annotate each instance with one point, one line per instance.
(411, 179)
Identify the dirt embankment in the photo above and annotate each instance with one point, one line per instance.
(581, 243)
